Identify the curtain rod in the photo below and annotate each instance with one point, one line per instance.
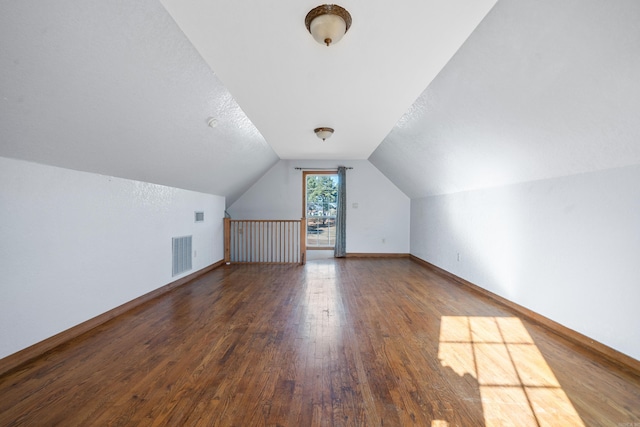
(319, 169)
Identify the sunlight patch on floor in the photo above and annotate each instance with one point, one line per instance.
(517, 386)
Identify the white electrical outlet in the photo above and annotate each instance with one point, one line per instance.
(458, 256)
(384, 240)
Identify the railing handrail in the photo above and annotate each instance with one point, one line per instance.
(252, 247)
(264, 220)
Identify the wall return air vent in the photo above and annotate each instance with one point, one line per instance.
(181, 254)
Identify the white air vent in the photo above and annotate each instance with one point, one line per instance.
(199, 216)
(181, 254)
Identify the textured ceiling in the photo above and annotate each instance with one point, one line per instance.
(541, 89)
(288, 84)
(114, 87)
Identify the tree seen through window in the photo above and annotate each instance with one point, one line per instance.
(321, 194)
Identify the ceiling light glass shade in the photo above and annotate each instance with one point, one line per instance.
(327, 29)
(328, 23)
(323, 133)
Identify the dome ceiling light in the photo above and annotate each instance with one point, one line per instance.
(328, 23)
(323, 133)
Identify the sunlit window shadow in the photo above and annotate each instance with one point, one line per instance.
(321, 309)
(517, 386)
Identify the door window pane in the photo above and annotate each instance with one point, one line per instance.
(321, 195)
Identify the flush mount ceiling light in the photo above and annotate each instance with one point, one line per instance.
(323, 133)
(328, 23)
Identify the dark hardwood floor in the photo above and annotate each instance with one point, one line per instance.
(337, 342)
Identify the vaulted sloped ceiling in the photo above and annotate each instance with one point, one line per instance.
(114, 87)
(288, 84)
(541, 89)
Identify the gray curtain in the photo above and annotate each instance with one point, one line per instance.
(341, 214)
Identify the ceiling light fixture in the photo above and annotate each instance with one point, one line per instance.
(328, 23)
(323, 133)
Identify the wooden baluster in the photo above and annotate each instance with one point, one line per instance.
(285, 237)
(279, 242)
(288, 241)
(273, 246)
(259, 242)
(290, 247)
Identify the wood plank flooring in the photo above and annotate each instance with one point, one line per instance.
(357, 342)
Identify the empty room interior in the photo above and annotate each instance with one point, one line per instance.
(293, 214)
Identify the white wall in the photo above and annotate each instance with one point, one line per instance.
(382, 212)
(74, 245)
(567, 248)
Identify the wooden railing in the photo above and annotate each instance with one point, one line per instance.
(264, 241)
